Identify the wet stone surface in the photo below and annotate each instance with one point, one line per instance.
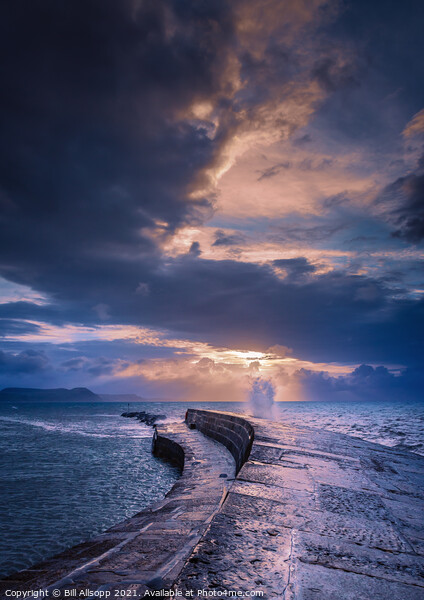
(311, 515)
(315, 515)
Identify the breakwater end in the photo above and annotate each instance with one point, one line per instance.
(294, 513)
(144, 417)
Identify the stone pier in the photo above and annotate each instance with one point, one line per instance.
(280, 511)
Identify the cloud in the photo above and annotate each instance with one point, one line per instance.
(133, 136)
(249, 306)
(195, 380)
(334, 72)
(228, 239)
(195, 250)
(96, 367)
(364, 383)
(210, 380)
(114, 156)
(16, 327)
(24, 363)
(100, 129)
(409, 217)
(415, 125)
(404, 199)
(102, 310)
(294, 269)
(143, 289)
(274, 170)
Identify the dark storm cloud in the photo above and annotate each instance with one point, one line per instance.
(408, 216)
(95, 367)
(323, 318)
(26, 362)
(364, 383)
(92, 156)
(296, 268)
(403, 203)
(386, 39)
(98, 152)
(195, 250)
(74, 364)
(15, 327)
(14, 314)
(333, 76)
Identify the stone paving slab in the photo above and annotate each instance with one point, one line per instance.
(238, 554)
(356, 558)
(313, 582)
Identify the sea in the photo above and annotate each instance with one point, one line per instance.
(69, 471)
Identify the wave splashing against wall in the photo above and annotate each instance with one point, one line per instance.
(261, 400)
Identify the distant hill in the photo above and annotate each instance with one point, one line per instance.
(51, 395)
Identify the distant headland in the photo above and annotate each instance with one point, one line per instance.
(79, 394)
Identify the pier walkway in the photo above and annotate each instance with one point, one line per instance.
(283, 512)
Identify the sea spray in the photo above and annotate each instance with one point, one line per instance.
(261, 398)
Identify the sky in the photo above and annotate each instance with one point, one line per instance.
(196, 195)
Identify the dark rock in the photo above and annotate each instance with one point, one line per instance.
(272, 532)
(144, 417)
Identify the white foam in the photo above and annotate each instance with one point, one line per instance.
(60, 428)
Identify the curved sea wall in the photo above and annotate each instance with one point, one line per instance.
(163, 446)
(234, 432)
(273, 510)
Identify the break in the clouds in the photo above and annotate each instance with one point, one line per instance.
(186, 185)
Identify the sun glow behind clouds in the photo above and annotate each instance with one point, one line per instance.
(188, 361)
